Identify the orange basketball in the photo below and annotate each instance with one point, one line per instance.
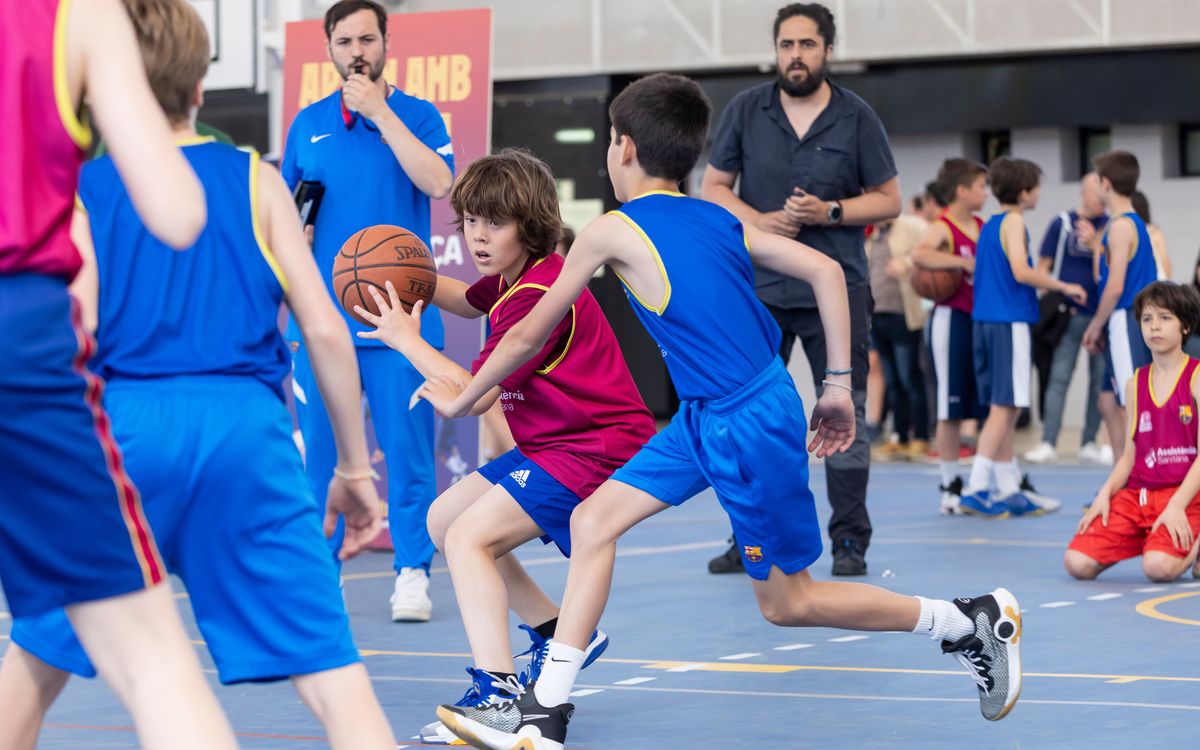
(376, 255)
(937, 284)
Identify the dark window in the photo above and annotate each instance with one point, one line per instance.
(1092, 142)
(1189, 150)
(993, 144)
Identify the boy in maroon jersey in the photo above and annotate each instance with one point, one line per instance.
(574, 411)
(1149, 506)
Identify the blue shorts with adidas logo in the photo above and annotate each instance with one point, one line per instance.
(547, 501)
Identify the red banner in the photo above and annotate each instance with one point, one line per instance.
(444, 58)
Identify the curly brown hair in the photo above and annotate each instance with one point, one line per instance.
(1180, 299)
(511, 185)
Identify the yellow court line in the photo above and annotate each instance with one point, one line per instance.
(1149, 608)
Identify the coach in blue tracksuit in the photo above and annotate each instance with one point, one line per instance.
(380, 155)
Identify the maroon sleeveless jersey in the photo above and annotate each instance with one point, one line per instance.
(1164, 432)
(962, 244)
(43, 143)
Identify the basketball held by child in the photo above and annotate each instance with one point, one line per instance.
(379, 254)
(937, 284)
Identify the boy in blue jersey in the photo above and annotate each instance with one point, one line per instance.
(687, 267)
(1006, 307)
(381, 155)
(190, 346)
(1126, 267)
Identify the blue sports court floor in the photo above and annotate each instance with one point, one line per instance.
(1111, 663)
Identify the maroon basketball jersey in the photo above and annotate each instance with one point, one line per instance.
(962, 244)
(43, 142)
(1164, 432)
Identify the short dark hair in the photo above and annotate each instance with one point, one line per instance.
(343, 8)
(957, 172)
(1121, 169)
(511, 185)
(937, 193)
(1181, 299)
(817, 13)
(568, 237)
(667, 117)
(175, 52)
(1011, 177)
(1141, 206)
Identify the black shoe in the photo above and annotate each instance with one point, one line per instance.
(992, 654)
(950, 497)
(729, 561)
(849, 560)
(523, 724)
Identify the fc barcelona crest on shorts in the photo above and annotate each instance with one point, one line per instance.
(1185, 414)
(753, 554)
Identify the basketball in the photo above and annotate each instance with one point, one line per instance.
(936, 284)
(376, 255)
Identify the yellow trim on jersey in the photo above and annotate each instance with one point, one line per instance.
(1137, 238)
(971, 234)
(518, 287)
(1133, 423)
(79, 205)
(1192, 382)
(74, 126)
(567, 347)
(194, 140)
(267, 255)
(672, 193)
(1178, 375)
(657, 259)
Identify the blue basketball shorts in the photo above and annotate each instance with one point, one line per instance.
(1003, 363)
(71, 522)
(1126, 351)
(750, 448)
(226, 495)
(545, 499)
(949, 335)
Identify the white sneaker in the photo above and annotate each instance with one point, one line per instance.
(1106, 455)
(1090, 453)
(1043, 453)
(410, 599)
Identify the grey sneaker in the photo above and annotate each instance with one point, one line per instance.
(993, 653)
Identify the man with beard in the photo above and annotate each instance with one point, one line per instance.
(815, 165)
(380, 155)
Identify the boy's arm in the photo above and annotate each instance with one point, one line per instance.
(450, 295)
(833, 415)
(165, 191)
(331, 352)
(85, 287)
(929, 254)
(1012, 232)
(1121, 237)
(1121, 470)
(1174, 516)
(529, 336)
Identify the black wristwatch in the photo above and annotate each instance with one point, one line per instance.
(835, 213)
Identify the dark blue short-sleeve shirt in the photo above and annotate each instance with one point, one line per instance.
(844, 152)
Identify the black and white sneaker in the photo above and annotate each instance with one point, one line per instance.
(523, 724)
(950, 498)
(993, 653)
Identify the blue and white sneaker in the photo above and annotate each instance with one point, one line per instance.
(1043, 503)
(539, 647)
(979, 503)
(1028, 504)
(486, 690)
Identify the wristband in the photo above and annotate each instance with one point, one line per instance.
(838, 372)
(352, 476)
(837, 385)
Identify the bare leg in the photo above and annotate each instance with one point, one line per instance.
(1114, 423)
(493, 526)
(997, 429)
(344, 702)
(948, 439)
(1081, 566)
(1162, 567)
(139, 647)
(797, 600)
(596, 525)
(28, 686)
(876, 389)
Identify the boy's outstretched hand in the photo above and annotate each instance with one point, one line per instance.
(393, 326)
(357, 502)
(833, 421)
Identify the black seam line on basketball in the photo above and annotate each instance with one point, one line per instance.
(421, 266)
(372, 248)
(357, 245)
(362, 282)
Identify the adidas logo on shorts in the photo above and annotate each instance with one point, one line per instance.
(520, 476)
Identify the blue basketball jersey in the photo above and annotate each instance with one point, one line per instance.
(999, 297)
(212, 309)
(714, 334)
(1141, 271)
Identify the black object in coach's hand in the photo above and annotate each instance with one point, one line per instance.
(308, 196)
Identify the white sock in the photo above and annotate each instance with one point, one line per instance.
(949, 471)
(562, 666)
(982, 471)
(941, 621)
(1008, 477)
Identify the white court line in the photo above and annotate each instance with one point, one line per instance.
(1055, 605)
(1104, 597)
(687, 667)
(793, 647)
(737, 657)
(1192, 585)
(635, 681)
(585, 693)
(848, 638)
(1150, 589)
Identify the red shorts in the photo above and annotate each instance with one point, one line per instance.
(1128, 532)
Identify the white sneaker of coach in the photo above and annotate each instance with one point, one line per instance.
(1043, 453)
(410, 599)
(1093, 454)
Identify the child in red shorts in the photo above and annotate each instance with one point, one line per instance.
(1149, 505)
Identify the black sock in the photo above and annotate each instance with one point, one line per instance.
(546, 629)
